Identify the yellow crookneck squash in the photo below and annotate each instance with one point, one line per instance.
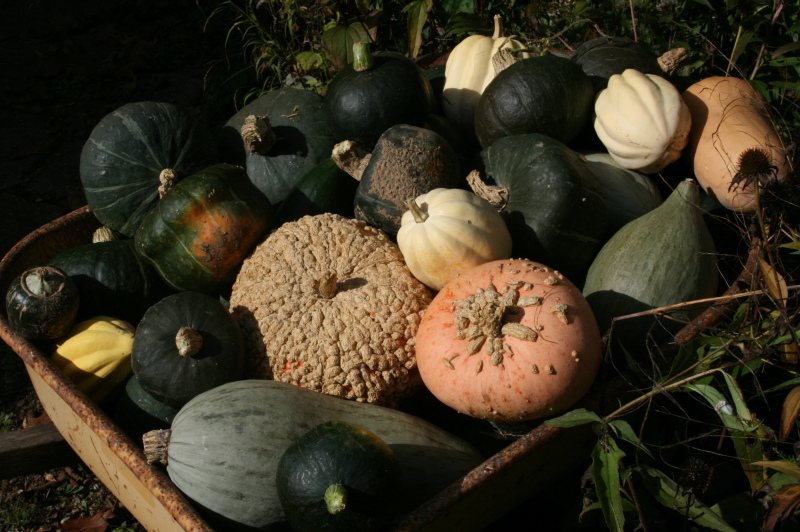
(96, 355)
(470, 67)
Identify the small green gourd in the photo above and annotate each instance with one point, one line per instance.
(662, 258)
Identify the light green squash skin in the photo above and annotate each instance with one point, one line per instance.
(226, 444)
(662, 258)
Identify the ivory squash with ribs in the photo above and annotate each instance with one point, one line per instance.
(642, 121)
(471, 65)
(448, 231)
(509, 340)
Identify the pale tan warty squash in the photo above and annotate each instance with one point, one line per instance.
(642, 121)
(470, 67)
(446, 232)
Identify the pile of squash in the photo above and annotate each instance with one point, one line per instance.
(321, 259)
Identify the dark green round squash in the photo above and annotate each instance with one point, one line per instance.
(390, 90)
(602, 57)
(300, 134)
(112, 280)
(42, 303)
(407, 161)
(324, 188)
(186, 344)
(338, 477)
(550, 198)
(545, 94)
(138, 412)
(198, 235)
(132, 152)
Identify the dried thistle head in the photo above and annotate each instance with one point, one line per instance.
(754, 164)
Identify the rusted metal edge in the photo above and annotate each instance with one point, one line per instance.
(77, 227)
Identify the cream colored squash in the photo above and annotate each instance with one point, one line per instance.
(446, 232)
(642, 121)
(469, 70)
(96, 355)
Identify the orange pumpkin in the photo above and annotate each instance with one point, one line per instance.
(509, 340)
(732, 137)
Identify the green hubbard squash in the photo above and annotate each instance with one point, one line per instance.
(339, 477)
(186, 344)
(134, 153)
(664, 257)
(278, 138)
(224, 447)
(324, 188)
(550, 198)
(202, 229)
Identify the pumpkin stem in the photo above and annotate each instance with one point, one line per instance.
(168, 178)
(326, 285)
(350, 158)
(419, 215)
(498, 27)
(42, 282)
(105, 234)
(336, 498)
(497, 196)
(155, 444)
(362, 57)
(258, 135)
(188, 341)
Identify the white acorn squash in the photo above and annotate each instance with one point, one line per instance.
(469, 70)
(642, 121)
(446, 232)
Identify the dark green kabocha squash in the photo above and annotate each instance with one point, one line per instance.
(546, 94)
(42, 303)
(324, 188)
(134, 153)
(407, 161)
(339, 477)
(198, 235)
(278, 138)
(602, 57)
(550, 198)
(112, 279)
(375, 92)
(186, 343)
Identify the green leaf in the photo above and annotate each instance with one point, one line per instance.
(624, 430)
(417, 13)
(668, 493)
(605, 469)
(467, 23)
(743, 38)
(309, 60)
(337, 42)
(451, 7)
(785, 49)
(573, 418)
(784, 466)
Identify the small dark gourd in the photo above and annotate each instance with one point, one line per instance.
(186, 343)
(339, 477)
(550, 198)
(545, 94)
(112, 279)
(42, 303)
(135, 152)
(602, 57)
(203, 228)
(408, 161)
(278, 138)
(375, 92)
(664, 257)
(324, 188)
